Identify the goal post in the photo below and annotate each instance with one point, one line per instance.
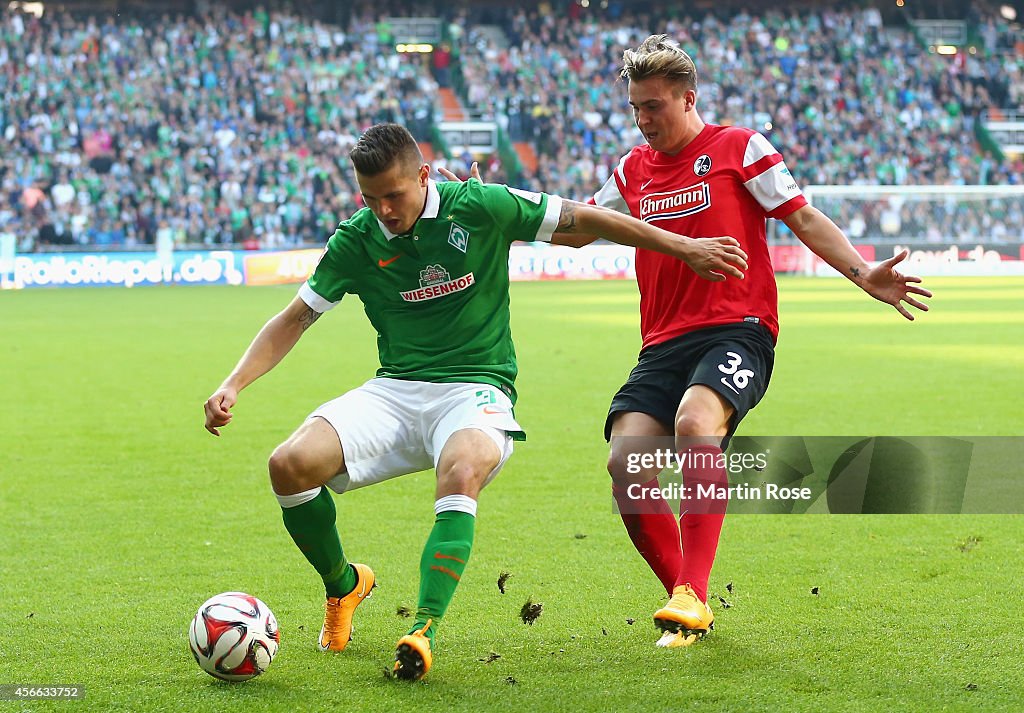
(8, 252)
(966, 230)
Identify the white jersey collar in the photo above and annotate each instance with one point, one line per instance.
(430, 209)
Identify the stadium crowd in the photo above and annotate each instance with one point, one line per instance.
(220, 130)
(963, 218)
(845, 99)
(234, 129)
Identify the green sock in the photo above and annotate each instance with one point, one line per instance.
(312, 526)
(441, 566)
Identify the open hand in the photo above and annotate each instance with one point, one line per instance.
(886, 284)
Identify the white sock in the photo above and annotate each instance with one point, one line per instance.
(293, 501)
(458, 503)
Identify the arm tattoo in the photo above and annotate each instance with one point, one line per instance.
(567, 218)
(855, 271)
(307, 318)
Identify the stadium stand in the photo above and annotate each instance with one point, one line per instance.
(845, 98)
(224, 129)
(232, 127)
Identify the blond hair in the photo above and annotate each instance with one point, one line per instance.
(659, 56)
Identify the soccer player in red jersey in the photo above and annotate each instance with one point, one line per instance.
(708, 346)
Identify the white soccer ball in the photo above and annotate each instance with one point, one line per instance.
(234, 636)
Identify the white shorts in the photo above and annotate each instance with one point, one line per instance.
(391, 427)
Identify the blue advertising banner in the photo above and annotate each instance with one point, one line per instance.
(125, 269)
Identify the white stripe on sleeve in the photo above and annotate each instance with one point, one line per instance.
(315, 301)
(773, 187)
(610, 197)
(550, 222)
(757, 148)
(621, 168)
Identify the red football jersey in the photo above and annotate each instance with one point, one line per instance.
(725, 182)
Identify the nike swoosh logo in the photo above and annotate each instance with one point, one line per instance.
(385, 263)
(648, 182)
(491, 409)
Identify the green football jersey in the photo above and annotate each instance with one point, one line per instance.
(438, 295)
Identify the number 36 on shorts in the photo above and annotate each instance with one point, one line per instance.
(735, 378)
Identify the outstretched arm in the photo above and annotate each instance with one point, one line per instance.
(573, 240)
(711, 258)
(883, 282)
(269, 347)
(581, 224)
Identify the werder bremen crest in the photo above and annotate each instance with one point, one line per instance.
(458, 237)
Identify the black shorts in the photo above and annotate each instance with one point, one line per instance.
(735, 360)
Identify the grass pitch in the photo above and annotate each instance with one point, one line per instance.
(119, 515)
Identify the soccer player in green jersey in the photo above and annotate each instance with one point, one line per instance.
(430, 264)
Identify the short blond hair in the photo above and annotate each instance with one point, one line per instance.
(659, 56)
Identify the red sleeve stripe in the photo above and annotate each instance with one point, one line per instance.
(791, 206)
(759, 166)
(620, 183)
(620, 170)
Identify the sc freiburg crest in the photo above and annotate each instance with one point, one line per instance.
(702, 165)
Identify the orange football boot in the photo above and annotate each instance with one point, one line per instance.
(412, 655)
(684, 620)
(337, 628)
